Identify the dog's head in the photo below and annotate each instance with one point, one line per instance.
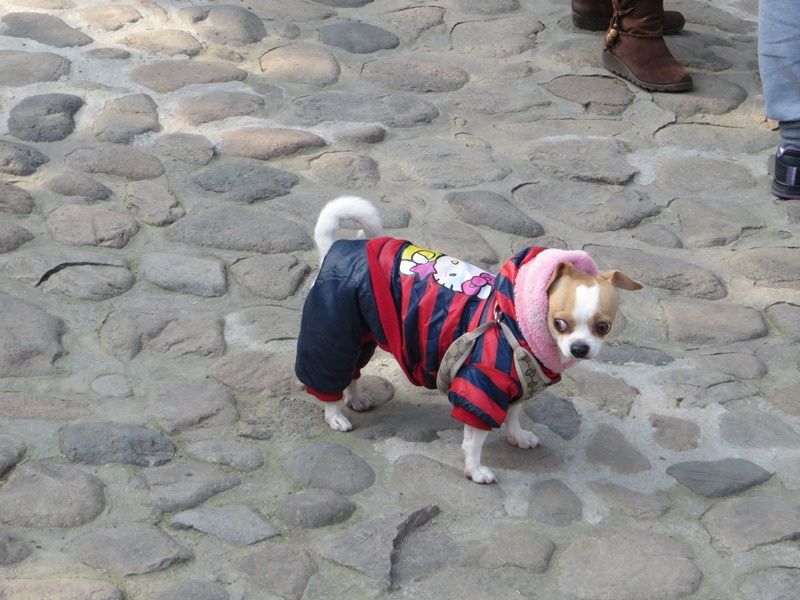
(582, 308)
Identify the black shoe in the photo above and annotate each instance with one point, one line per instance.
(786, 178)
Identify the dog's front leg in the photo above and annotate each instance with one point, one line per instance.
(335, 417)
(517, 436)
(472, 446)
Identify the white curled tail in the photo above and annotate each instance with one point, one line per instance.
(346, 207)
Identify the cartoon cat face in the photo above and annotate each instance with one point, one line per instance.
(460, 276)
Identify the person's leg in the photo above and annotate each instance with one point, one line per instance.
(779, 65)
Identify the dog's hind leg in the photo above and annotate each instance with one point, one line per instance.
(517, 436)
(356, 399)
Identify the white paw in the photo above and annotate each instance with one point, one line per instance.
(523, 439)
(360, 403)
(481, 474)
(339, 423)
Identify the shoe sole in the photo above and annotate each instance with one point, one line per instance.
(616, 66)
(594, 23)
(784, 192)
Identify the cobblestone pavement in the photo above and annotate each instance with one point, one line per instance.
(162, 167)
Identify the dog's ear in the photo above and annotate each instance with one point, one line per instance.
(562, 269)
(619, 280)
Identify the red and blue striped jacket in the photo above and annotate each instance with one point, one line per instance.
(426, 300)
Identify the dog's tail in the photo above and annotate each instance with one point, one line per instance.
(345, 207)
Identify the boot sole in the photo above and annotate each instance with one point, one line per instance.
(785, 192)
(594, 23)
(616, 66)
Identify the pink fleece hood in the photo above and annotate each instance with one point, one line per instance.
(532, 303)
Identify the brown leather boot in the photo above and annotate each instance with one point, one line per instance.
(635, 48)
(595, 15)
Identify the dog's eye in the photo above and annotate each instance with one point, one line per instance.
(603, 327)
(561, 325)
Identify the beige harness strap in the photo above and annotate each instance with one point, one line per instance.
(531, 377)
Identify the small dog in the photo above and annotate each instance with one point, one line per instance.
(488, 341)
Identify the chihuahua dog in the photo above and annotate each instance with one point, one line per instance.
(489, 341)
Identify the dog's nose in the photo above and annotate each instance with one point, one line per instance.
(579, 349)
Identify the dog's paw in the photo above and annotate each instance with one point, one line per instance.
(481, 474)
(523, 439)
(339, 422)
(360, 403)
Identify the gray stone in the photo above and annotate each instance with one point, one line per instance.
(183, 404)
(788, 471)
(693, 387)
(600, 566)
(458, 241)
(608, 447)
(696, 175)
(500, 38)
(69, 183)
(736, 364)
(12, 449)
(345, 169)
(263, 373)
(489, 7)
(329, 466)
(19, 68)
(314, 508)
(280, 569)
(409, 422)
(345, 3)
(699, 323)
(90, 281)
(46, 494)
(224, 24)
(20, 159)
(130, 549)
(701, 225)
(275, 277)
(718, 478)
(122, 161)
(62, 589)
(12, 550)
(708, 15)
(240, 228)
(586, 206)
(216, 106)
(519, 548)
(488, 209)
(656, 234)
(112, 385)
(785, 316)
(109, 54)
(414, 75)
(98, 443)
(14, 200)
(45, 29)
(710, 94)
(424, 552)
(301, 63)
(164, 41)
(554, 503)
(770, 267)
(465, 582)
(771, 584)
(153, 203)
(126, 333)
(242, 180)
(187, 147)
(605, 391)
(715, 138)
(600, 160)
(170, 75)
(624, 354)
(261, 324)
(442, 164)
(12, 236)
(81, 225)
(124, 118)
(630, 502)
(109, 16)
(668, 273)
(357, 37)
(748, 522)
(751, 428)
(490, 101)
(556, 413)
(187, 274)
(599, 95)
(368, 134)
(240, 525)
(193, 590)
(787, 398)
(410, 23)
(267, 142)
(30, 339)
(44, 118)
(183, 485)
(392, 110)
(373, 547)
(237, 455)
(674, 433)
